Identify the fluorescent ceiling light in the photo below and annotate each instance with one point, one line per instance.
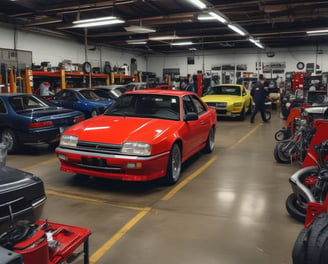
(94, 19)
(139, 29)
(198, 4)
(317, 32)
(99, 23)
(95, 22)
(237, 30)
(205, 17)
(218, 17)
(136, 42)
(167, 37)
(182, 43)
(252, 40)
(257, 43)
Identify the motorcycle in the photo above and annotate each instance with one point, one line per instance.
(295, 148)
(290, 101)
(309, 184)
(311, 244)
(305, 112)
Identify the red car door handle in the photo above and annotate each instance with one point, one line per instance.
(202, 122)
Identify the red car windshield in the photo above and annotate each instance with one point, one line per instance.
(146, 106)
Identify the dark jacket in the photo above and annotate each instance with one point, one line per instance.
(259, 93)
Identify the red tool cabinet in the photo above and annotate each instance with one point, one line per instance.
(54, 243)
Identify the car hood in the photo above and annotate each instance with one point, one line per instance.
(11, 178)
(220, 98)
(117, 129)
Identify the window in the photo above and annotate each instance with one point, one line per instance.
(3, 109)
(224, 90)
(200, 108)
(188, 105)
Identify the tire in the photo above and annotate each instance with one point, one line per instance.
(278, 153)
(317, 241)
(280, 135)
(295, 208)
(300, 247)
(10, 138)
(93, 113)
(242, 115)
(210, 142)
(267, 115)
(174, 166)
(86, 67)
(107, 68)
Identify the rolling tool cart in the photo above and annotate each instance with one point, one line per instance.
(45, 242)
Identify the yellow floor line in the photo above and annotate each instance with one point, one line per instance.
(83, 198)
(107, 246)
(73, 196)
(46, 162)
(183, 183)
(245, 137)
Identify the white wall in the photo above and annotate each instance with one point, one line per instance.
(46, 48)
(205, 60)
(55, 50)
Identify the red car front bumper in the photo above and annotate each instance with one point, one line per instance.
(120, 167)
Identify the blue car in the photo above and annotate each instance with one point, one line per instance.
(29, 119)
(82, 99)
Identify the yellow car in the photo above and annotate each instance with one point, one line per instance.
(232, 100)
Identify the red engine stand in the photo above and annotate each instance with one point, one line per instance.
(320, 135)
(65, 241)
(313, 210)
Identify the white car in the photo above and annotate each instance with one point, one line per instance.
(110, 91)
(133, 86)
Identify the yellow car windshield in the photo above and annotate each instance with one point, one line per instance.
(224, 90)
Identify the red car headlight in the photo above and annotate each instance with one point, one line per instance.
(68, 141)
(136, 148)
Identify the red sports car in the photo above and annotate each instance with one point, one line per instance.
(145, 135)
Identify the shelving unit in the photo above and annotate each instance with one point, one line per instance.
(120, 78)
(62, 79)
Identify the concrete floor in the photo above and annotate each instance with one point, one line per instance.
(228, 208)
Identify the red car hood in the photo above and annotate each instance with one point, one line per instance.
(116, 129)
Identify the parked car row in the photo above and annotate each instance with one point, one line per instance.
(45, 120)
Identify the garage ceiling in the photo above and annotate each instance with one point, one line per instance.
(274, 23)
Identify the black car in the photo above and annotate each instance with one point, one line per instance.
(22, 197)
(29, 119)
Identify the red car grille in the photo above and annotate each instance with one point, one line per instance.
(99, 165)
(99, 147)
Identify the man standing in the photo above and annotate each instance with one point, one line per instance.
(45, 89)
(259, 93)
